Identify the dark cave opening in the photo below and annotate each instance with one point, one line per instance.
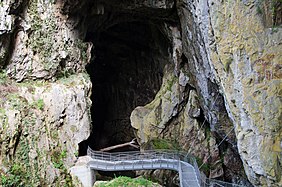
(126, 72)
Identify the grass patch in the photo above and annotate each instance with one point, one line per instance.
(126, 181)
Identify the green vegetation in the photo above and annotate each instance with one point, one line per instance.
(32, 84)
(275, 29)
(270, 8)
(57, 158)
(170, 83)
(227, 64)
(126, 181)
(54, 134)
(208, 133)
(259, 7)
(39, 104)
(42, 38)
(17, 176)
(3, 77)
(23, 171)
(20, 172)
(72, 80)
(23, 153)
(205, 167)
(16, 101)
(3, 120)
(165, 144)
(24, 168)
(77, 50)
(83, 48)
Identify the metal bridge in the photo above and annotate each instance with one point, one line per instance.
(183, 163)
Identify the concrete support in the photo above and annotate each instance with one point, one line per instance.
(81, 170)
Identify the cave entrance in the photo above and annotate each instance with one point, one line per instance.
(126, 72)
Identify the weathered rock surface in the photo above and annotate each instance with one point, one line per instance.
(235, 67)
(245, 56)
(42, 123)
(41, 126)
(39, 42)
(221, 84)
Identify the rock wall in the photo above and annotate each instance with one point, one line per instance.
(235, 66)
(44, 93)
(42, 42)
(41, 126)
(220, 97)
(244, 50)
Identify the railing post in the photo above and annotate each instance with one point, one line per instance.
(180, 173)
(167, 165)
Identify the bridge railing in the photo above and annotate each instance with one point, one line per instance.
(143, 155)
(158, 154)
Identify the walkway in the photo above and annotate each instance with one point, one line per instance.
(186, 165)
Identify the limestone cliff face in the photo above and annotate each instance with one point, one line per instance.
(234, 60)
(39, 41)
(220, 65)
(45, 115)
(244, 50)
(41, 126)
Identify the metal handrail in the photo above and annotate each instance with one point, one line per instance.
(156, 156)
(137, 155)
(178, 157)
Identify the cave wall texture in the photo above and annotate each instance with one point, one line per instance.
(221, 80)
